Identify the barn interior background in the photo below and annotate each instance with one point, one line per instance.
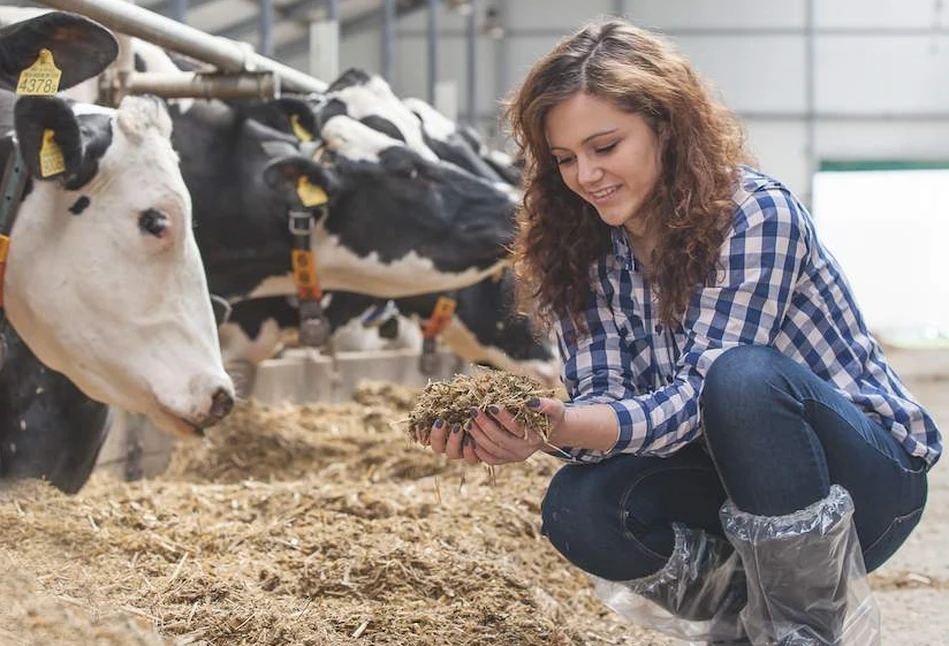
(846, 101)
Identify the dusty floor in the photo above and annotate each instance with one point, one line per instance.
(323, 525)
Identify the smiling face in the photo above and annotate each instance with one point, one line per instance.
(607, 156)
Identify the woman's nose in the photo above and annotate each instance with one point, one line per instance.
(588, 172)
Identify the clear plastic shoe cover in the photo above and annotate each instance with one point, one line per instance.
(695, 597)
(807, 583)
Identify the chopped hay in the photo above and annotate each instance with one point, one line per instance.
(313, 525)
(452, 401)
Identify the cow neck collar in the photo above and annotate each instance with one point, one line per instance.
(15, 177)
(437, 321)
(314, 324)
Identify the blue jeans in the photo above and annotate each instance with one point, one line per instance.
(780, 436)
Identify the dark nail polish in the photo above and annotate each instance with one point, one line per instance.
(494, 410)
(533, 403)
(439, 422)
(474, 412)
(455, 428)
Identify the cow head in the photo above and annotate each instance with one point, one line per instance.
(104, 280)
(398, 224)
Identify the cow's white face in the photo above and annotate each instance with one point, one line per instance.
(104, 280)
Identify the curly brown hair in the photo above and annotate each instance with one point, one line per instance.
(701, 147)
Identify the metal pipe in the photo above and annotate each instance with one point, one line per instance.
(265, 25)
(227, 55)
(472, 75)
(810, 99)
(179, 10)
(432, 39)
(204, 86)
(388, 29)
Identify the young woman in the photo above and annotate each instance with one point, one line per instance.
(741, 452)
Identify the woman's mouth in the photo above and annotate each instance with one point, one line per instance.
(598, 197)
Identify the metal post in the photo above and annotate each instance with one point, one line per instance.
(266, 27)
(227, 55)
(810, 100)
(388, 37)
(432, 40)
(472, 98)
(179, 10)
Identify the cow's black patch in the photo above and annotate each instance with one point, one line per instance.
(332, 108)
(80, 205)
(48, 428)
(351, 77)
(383, 125)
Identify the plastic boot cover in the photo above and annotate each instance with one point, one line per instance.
(696, 596)
(807, 584)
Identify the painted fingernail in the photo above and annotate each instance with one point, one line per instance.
(533, 402)
(494, 410)
(474, 412)
(439, 422)
(455, 428)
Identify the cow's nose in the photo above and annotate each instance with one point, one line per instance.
(221, 404)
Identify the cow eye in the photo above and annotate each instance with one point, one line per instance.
(153, 222)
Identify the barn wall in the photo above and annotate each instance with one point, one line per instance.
(828, 80)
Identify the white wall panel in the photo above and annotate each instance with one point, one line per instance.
(883, 140)
(565, 16)
(881, 13)
(730, 14)
(780, 148)
(882, 74)
(754, 73)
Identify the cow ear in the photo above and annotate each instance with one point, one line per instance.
(80, 47)
(287, 114)
(284, 174)
(49, 137)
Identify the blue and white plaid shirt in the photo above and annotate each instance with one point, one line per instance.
(780, 288)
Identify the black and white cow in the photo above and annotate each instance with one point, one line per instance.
(485, 328)
(104, 280)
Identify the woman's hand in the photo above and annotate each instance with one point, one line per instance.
(499, 439)
(452, 441)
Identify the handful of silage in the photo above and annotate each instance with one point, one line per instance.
(453, 400)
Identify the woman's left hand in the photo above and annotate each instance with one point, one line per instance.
(500, 439)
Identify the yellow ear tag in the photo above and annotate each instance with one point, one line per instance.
(302, 133)
(310, 194)
(51, 156)
(41, 78)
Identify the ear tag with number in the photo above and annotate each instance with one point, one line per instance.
(41, 78)
(310, 194)
(301, 133)
(51, 155)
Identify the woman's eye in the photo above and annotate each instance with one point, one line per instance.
(153, 222)
(562, 161)
(607, 149)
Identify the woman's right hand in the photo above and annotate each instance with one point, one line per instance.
(452, 441)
